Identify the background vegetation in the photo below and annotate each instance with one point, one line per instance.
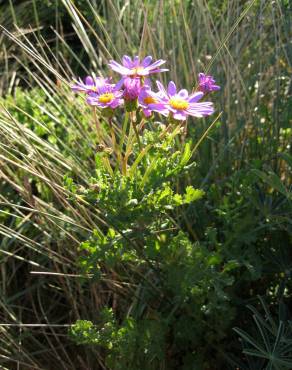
(155, 282)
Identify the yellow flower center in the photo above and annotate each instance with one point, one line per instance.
(137, 70)
(178, 103)
(150, 100)
(106, 98)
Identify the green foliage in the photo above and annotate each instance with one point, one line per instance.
(186, 309)
(130, 345)
(138, 206)
(271, 347)
(197, 277)
(184, 285)
(47, 117)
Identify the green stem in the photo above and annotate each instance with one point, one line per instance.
(134, 123)
(137, 136)
(96, 122)
(113, 136)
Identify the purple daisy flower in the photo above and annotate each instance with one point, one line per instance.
(180, 104)
(207, 83)
(135, 68)
(147, 97)
(106, 96)
(90, 85)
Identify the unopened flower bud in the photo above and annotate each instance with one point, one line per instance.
(132, 88)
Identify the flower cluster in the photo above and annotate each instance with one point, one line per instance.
(134, 91)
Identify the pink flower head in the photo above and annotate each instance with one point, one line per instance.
(135, 68)
(180, 104)
(106, 96)
(207, 83)
(148, 97)
(89, 85)
(132, 88)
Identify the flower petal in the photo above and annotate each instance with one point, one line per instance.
(146, 72)
(195, 97)
(89, 80)
(147, 82)
(119, 68)
(171, 89)
(100, 82)
(157, 106)
(195, 114)
(183, 93)
(146, 61)
(160, 108)
(92, 100)
(119, 84)
(127, 61)
(143, 94)
(114, 103)
(136, 61)
(180, 115)
(202, 76)
(78, 88)
(161, 89)
(201, 109)
(147, 112)
(156, 64)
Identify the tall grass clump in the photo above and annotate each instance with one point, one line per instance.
(133, 242)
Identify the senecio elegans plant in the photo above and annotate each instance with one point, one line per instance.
(167, 304)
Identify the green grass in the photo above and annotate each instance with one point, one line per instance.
(243, 163)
